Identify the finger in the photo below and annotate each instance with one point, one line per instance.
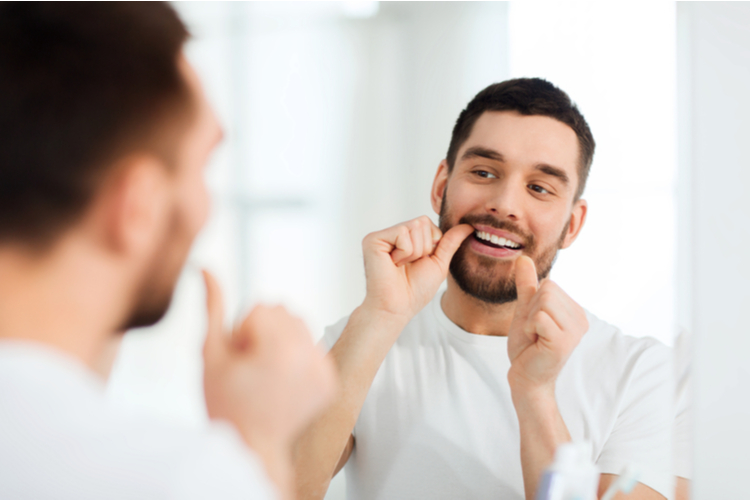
(449, 244)
(403, 246)
(257, 323)
(437, 234)
(527, 282)
(429, 244)
(558, 305)
(215, 313)
(542, 325)
(418, 243)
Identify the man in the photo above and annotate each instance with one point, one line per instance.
(467, 393)
(105, 132)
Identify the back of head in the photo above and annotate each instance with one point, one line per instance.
(527, 96)
(83, 84)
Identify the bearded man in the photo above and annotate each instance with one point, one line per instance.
(468, 393)
(105, 133)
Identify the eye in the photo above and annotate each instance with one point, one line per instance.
(538, 189)
(485, 175)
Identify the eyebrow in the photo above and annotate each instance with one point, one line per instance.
(491, 154)
(479, 151)
(554, 172)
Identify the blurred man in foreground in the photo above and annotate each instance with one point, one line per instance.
(468, 393)
(105, 132)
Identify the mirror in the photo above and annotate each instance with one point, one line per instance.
(337, 116)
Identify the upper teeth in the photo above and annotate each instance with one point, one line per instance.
(496, 240)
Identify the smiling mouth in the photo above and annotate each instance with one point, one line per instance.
(494, 241)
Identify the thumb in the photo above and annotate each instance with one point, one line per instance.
(527, 281)
(215, 309)
(449, 244)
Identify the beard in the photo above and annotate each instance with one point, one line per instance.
(154, 293)
(490, 280)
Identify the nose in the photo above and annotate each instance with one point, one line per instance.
(504, 201)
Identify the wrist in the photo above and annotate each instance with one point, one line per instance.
(276, 457)
(368, 336)
(531, 395)
(385, 319)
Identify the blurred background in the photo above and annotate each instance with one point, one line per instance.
(337, 115)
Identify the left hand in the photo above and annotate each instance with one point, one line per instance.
(547, 326)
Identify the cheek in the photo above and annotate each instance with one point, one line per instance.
(195, 205)
(552, 226)
(463, 199)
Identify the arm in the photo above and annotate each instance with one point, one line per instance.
(542, 430)
(640, 492)
(546, 327)
(325, 446)
(682, 488)
(403, 273)
(268, 379)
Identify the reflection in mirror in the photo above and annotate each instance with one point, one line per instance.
(337, 122)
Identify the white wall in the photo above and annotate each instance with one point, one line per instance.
(617, 62)
(714, 76)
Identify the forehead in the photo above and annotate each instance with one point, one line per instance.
(529, 140)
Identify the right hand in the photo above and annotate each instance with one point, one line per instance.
(406, 263)
(267, 378)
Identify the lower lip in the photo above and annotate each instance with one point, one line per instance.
(498, 253)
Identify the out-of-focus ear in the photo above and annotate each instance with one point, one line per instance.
(133, 205)
(577, 219)
(438, 186)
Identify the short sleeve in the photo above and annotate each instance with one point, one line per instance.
(642, 433)
(332, 334)
(220, 465)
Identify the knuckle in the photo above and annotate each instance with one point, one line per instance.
(548, 286)
(537, 316)
(584, 322)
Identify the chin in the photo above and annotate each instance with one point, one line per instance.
(484, 282)
(144, 317)
(151, 303)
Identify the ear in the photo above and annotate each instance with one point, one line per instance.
(438, 186)
(135, 205)
(577, 219)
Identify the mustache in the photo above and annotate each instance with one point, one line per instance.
(503, 225)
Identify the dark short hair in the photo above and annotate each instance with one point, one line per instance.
(81, 86)
(527, 96)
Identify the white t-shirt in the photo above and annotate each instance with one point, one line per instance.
(60, 439)
(439, 422)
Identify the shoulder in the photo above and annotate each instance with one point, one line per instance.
(217, 464)
(605, 343)
(622, 366)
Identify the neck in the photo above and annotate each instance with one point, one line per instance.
(474, 315)
(63, 299)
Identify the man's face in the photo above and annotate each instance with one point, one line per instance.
(514, 180)
(189, 209)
